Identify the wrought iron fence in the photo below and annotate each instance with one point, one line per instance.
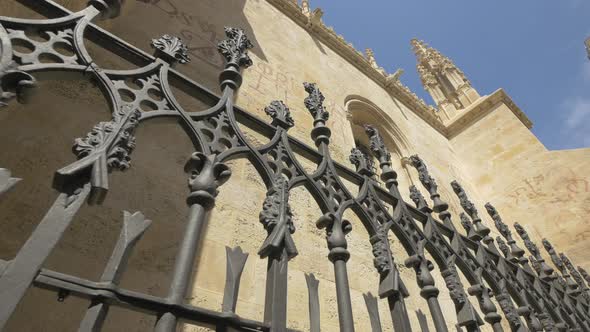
(545, 300)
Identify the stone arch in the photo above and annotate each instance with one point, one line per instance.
(361, 111)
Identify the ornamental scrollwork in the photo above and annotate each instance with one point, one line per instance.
(336, 230)
(479, 230)
(362, 162)
(106, 147)
(500, 225)
(532, 248)
(507, 306)
(429, 183)
(553, 254)
(377, 145)
(423, 174)
(314, 102)
(280, 114)
(207, 173)
(381, 254)
(467, 205)
(570, 266)
(118, 156)
(466, 315)
(422, 267)
(172, 47)
(277, 219)
(535, 264)
(418, 199)
(235, 47)
(503, 246)
(454, 285)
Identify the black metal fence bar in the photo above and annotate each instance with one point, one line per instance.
(148, 304)
(545, 301)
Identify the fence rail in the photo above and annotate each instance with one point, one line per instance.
(546, 300)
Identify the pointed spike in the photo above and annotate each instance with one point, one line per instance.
(134, 225)
(373, 309)
(314, 302)
(236, 260)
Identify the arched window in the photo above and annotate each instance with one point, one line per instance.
(361, 112)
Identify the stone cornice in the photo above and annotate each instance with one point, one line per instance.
(481, 108)
(312, 22)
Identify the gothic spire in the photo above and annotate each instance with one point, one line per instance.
(446, 83)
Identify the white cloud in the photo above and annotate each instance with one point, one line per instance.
(577, 121)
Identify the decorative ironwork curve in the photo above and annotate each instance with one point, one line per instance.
(144, 93)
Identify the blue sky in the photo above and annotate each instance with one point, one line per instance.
(533, 49)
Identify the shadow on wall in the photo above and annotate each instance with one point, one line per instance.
(201, 25)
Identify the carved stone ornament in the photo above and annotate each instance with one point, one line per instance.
(280, 114)
(362, 162)
(277, 219)
(427, 78)
(314, 102)
(171, 49)
(377, 145)
(235, 47)
(336, 230)
(206, 175)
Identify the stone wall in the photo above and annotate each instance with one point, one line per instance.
(492, 158)
(546, 191)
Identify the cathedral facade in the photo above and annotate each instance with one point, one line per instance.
(322, 192)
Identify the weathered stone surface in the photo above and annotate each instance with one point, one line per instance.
(494, 156)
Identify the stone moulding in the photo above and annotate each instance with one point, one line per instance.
(391, 83)
(337, 43)
(481, 108)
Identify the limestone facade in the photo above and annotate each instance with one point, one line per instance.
(481, 140)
